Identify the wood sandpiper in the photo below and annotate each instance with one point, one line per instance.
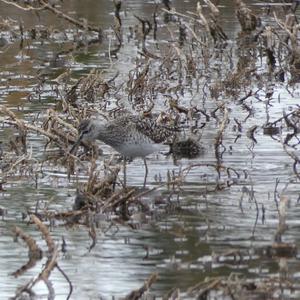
(132, 136)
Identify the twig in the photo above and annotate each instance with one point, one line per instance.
(68, 280)
(34, 249)
(29, 8)
(60, 14)
(137, 294)
(34, 252)
(45, 232)
(21, 124)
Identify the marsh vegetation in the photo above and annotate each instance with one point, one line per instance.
(218, 217)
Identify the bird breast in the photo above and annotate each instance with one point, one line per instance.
(131, 150)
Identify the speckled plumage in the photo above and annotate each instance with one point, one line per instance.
(130, 135)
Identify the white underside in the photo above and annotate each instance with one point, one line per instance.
(138, 150)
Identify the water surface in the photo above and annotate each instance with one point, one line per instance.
(200, 224)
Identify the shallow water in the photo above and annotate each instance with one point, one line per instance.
(180, 244)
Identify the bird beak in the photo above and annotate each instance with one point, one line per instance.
(76, 143)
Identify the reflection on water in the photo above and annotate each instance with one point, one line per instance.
(178, 245)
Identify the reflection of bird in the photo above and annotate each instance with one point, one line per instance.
(132, 136)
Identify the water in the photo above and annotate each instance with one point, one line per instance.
(187, 238)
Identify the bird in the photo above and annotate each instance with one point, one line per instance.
(131, 135)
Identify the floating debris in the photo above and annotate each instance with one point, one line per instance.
(271, 130)
(188, 148)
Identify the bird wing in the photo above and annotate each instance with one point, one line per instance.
(149, 127)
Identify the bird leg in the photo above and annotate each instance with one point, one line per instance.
(146, 172)
(124, 169)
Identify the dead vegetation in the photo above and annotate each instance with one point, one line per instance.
(200, 67)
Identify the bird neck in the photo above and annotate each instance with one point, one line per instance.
(103, 133)
(100, 131)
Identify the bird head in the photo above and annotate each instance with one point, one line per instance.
(86, 132)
